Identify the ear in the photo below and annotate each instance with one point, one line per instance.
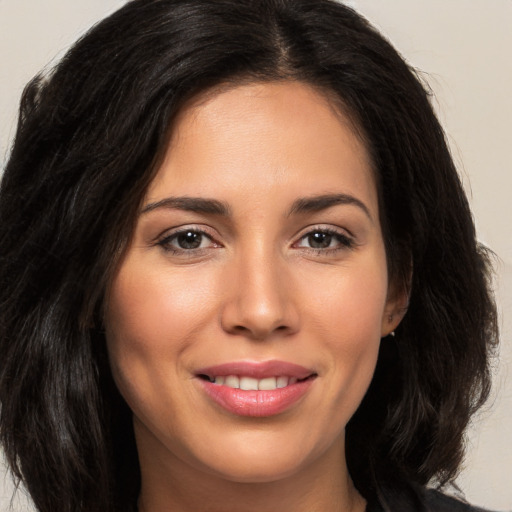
(397, 303)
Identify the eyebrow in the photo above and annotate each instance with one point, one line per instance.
(319, 203)
(215, 207)
(191, 204)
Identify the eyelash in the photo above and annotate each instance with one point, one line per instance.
(345, 242)
(167, 240)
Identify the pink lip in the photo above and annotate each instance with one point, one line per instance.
(257, 403)
(257, 370)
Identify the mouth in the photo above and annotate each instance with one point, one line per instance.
(247, 383)
(256, 389)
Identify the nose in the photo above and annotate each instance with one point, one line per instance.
(260, 303)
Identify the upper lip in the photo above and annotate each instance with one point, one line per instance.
(257, 370)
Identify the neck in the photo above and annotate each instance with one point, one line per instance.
(324, 485)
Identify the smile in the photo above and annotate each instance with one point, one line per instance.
(256, 389)
(252, 384)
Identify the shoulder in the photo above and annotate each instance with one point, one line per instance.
(436, 501)
(419, 499)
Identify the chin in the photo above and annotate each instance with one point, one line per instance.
(262, 461)
(252, 471)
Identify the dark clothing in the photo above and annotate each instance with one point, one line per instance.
(426, 501)
(438, 502)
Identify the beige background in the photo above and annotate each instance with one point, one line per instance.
(465, 49)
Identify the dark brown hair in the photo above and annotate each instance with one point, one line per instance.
(89, 137)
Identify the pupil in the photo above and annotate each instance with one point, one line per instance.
(189, 240)
(320, 240)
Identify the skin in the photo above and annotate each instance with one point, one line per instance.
(254, 290)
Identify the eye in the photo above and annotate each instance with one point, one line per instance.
(187, 240)
(325, 239)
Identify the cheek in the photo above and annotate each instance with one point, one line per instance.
(351, 301)
(360, 317)
(348, 319)
(151, 308)
(151, 318)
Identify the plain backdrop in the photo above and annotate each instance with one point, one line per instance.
(464, 50)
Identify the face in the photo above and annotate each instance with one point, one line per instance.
(244, 321)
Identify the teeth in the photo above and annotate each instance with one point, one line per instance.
(268, 384)
(232, 381)
(282, 382)
(248, 383)
(252, 384)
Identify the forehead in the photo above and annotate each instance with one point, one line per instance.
(268, 136)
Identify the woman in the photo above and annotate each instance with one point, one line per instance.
(239, 271)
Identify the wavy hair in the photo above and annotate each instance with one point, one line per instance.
(90, 137)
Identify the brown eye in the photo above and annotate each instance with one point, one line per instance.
(189, 240)
(186, 240)
(320, 240)
(326, 240)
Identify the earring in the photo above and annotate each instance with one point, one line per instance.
(390, 319)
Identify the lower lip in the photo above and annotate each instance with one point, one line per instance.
(256, 403)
